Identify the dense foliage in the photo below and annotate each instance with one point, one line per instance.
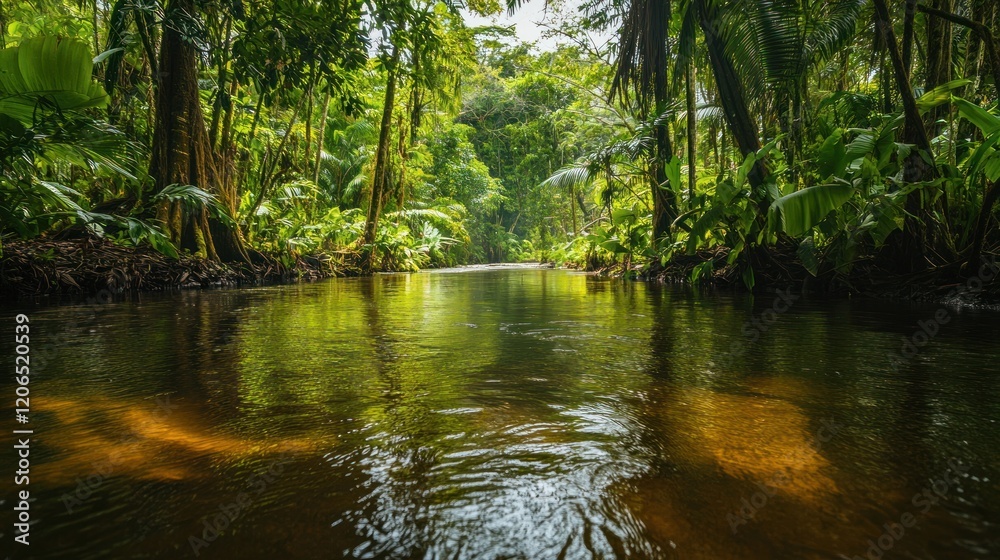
(390, 135)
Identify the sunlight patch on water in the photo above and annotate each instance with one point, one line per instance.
(149, 441)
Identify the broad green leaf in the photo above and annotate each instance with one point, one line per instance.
(748, 278)
(681, 221)
(705, 223)
(889, 220)
(986, 121)
(58, 195)
(940, 95)
(703, 269)
(766, 150)
(725, 192)
(807, 255)
(104, 55)
(984, 152)
(575, 175)
(798, 212)
(735, 252)
(614, 246)
(744, 170)
(832, 155)
(992, 168)
(861, 146)
(47, 70)
(673, 172)
(622, 215)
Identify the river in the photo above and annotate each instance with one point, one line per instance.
(508, 413)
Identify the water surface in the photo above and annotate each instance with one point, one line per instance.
(514, 413)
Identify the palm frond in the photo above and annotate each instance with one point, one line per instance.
(578, 174)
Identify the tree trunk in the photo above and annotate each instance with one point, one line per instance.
(730, 89)
(911, 8)
(664, 197)
(3, 27)
(885, 80)
(799, 90)
(416, 107)
(692, 130)
(222, 100)
(181, 152)
(938, 65)
(322, 136)
(664, 194)
(381, 163)
(734, 103)
(915, 169)
(268, 171)
(401, 153)
(982, 223)
(226, 153)
(572, 207)
(643, 60)
(845, 67)
(989, 42)
(972, 68)
(256, 116)
(97, 27)
(713, 139)
(308, 120)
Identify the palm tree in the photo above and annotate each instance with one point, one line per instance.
(642, 64)
(773, 47)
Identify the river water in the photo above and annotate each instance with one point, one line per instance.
(507, 413)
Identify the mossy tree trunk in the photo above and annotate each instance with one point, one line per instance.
(692, 129)
(381, 176)
(182, 152)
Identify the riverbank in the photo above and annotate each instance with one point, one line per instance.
(774, 269)
(88, 265)
(85, 266)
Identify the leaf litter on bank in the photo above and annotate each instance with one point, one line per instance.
(88, 265)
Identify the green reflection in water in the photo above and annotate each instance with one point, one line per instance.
(514, 413)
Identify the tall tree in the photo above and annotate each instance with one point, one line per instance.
(181, 151)
(731, 93)
(916, 167)
(381, 176)
(937, 68)
(411, 34)
(642, 65)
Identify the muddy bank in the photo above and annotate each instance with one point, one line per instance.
(775, 269)
(88, 265)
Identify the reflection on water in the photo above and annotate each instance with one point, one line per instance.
(157, 440)
(516, 413)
